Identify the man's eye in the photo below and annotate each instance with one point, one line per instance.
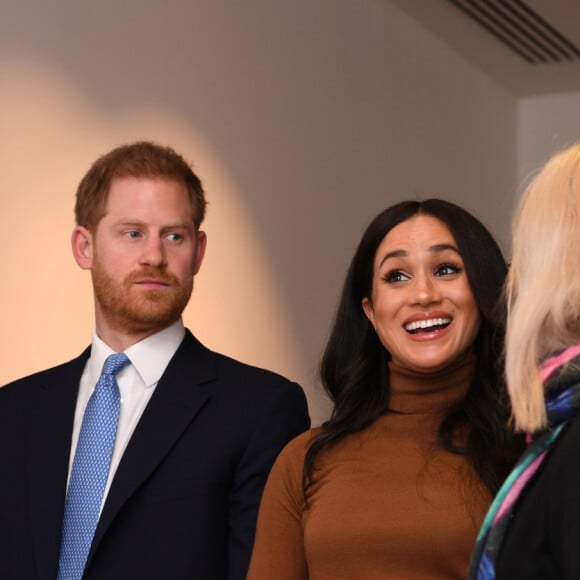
(133, 234)
(174, 237)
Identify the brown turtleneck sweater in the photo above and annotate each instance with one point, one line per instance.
(385, 503)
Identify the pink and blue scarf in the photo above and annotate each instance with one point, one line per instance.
(561, 377)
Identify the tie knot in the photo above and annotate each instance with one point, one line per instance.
(115, 363)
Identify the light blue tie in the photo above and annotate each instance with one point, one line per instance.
(90, 471)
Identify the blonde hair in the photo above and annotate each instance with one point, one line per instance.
(543, 285)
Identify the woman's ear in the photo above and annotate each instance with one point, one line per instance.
(82, 247)
(367, 306)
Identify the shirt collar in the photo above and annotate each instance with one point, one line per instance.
(149, 357)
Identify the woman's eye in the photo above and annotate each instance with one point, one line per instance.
(447, 270)
(396, 276)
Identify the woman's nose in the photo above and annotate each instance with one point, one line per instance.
(426, 290)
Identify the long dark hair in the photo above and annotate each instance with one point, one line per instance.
(354, 367)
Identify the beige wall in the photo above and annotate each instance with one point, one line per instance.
(303, 118)
(545, 125)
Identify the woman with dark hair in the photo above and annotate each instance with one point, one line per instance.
(396, 483)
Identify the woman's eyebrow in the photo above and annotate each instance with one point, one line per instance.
(394, 254)
(442, 247)
(433, 249)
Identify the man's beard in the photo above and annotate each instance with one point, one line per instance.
(129, 309)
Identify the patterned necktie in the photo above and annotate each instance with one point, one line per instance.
(90, 471)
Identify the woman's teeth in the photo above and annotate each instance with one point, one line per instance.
(427, 324)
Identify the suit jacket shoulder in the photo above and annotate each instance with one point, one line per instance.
(36, 419)
(47, 377)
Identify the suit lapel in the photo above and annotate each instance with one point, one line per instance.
(49, 439)
(174, 404)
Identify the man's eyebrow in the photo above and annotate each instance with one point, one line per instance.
(138, 223)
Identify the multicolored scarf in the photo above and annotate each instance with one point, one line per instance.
(561, 376)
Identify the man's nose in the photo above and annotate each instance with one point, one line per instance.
(153, 252)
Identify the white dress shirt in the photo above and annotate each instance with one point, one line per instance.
(137, 381)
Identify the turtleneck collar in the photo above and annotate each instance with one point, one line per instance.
(423, 393)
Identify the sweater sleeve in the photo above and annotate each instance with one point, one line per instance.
(279, 545)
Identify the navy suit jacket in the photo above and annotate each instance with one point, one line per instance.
(184, 500)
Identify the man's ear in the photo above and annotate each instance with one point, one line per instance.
(199, 251)
(82, 247)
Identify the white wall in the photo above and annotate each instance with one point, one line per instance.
(303, 118)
